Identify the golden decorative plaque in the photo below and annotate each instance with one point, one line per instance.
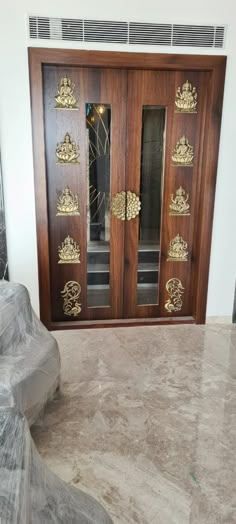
(67, 203)
(71, 294)
(65, 98)
(183, 153)
(67, 152)
(179, 203)
(175, 291)
(69, 252)
(186, 98)
(177, 251)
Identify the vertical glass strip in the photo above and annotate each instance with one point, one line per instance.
(98, 120)
(151, 179)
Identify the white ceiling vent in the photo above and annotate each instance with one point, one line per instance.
(41, 27)
(98, 31)
(151, 34)
(198, 35)
(71, 29)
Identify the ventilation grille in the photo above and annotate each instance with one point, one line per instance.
(198, 36)
(151, 34)
(126, 32)
(56, 28)
(98, 31)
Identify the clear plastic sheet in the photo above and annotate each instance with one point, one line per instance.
(29, 375)
(29, 355)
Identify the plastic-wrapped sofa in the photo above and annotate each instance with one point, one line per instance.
(29, 355)
(29, 375)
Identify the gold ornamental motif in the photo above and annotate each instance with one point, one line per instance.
(118, 205)
(67, 203)
(126, 205)
(65, 98)
(133, 205)
(69, 252)
(175, 290)
(67, 152)
(183, 153)
(186, 99)
(178, 250)
(71, 294)
(179, 203)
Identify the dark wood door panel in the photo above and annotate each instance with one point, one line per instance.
(158, 88)
(145, 88)
(92, 86)
(57, 123)
(192, 126)
(102, 86)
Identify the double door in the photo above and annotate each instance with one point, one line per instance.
(123, 152)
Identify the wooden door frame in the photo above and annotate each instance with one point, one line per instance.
(215, 65)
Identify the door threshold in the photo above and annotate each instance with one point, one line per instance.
(129, 322)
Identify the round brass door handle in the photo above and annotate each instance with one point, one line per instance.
(125, 205)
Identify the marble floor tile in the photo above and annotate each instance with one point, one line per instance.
(146, 422)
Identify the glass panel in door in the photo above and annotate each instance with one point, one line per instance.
(151, 186)
(98, 121)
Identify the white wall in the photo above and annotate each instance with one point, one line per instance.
(16, 140)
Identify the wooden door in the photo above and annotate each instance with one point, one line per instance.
(166, 115)
(102, 259)
(84, 122)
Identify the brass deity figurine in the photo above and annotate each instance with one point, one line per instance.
(65, 98)
(186, 100)
(178, 250)
(69, 252)
(67, 203)
(67, 152)
(179, 205)
(183, 153)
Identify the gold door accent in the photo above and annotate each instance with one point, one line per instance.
(67, 203)
(67, 152)
(175, 290)
(179, 203)
(118, 205)
(65, 98)
(133, 205)
(126, 205)
(71, 294)
(178, 250)
(186, 98)
(69, 252)
(183, 153)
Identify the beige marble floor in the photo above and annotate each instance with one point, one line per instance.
(146, 422)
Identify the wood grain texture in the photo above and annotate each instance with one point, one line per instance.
(36, 86)
(126, 60)
(207, 189)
